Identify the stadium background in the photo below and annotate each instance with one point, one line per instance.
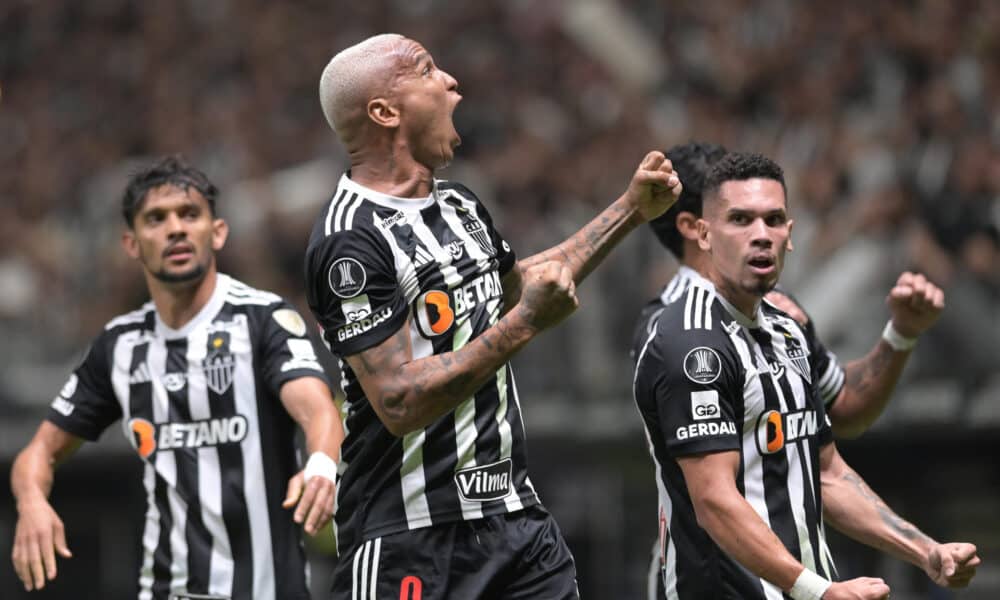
(886, 116)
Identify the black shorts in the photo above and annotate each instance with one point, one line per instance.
(511, 556)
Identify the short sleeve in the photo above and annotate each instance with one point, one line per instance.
(827, 372)
(353, 290)
(285, 350)
(87, 405)
(691, 380)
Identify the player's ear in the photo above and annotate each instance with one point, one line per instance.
(130, 244)
(687, 224)
(220, 232)
(788, 242)
(383, 113)
(704, 236)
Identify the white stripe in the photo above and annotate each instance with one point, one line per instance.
(342, 204)
(709, 298)
(254, 489)
(354, 579)
(221, 568)
(411, 475)
(699, 306)
(513, 501)
(363, 582)
(150, 533)
(687, 308)
(349, 219)
(329, 211)
(451, 275)
(136, 316)
(524, 434)
(465, 430)
(375, 556)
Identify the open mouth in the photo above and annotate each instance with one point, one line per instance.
(179, 252)
(763, 264)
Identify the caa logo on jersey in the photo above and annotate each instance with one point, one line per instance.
(219, 362)
(347, 277)
(702, 365)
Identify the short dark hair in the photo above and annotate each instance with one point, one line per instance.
(169, 170)
(741, 166)
(691, 162)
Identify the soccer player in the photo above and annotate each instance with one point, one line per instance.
(209, 380)
(424, 302)
(747, 470)
(853, 401)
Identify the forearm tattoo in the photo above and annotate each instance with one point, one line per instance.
(869, 375)
(890, 518)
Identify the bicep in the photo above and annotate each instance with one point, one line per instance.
(377, 368)
(709, 473)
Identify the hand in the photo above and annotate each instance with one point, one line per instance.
(654, 187)
(548, 295)
(915, 304)
(39, 534)
(952, 565)
(785, 303)
(862, 588)
(313, 501)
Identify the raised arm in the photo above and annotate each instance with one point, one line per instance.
(737, 528)
(915, 304)
(851, 507)
(654, 188)
(309, 402)
(409, 394)
(39, 533)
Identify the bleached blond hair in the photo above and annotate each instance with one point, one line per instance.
(352, 75)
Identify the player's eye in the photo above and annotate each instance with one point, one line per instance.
(775, 220)
(427, 70)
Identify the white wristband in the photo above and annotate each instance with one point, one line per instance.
(320, 464)
(809, 586)
(898, 341)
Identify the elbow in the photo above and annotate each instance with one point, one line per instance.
(707, 511)
(397, 420)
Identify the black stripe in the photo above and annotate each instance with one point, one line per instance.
(234, 505)
(775, 466)
(199, 542)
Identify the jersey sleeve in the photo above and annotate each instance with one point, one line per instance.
(87, 405)
(691, 381)
(504, 254)
(285, 350)
(353, 291)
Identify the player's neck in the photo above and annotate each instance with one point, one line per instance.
(745, 302)
(396, 174)
(178, 303)
(695, 258)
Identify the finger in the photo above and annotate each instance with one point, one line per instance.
(964, 553)
(938, 300)
(947, 564)
(21, 566)
(35, 565)
(61, 546)
(308, 498)
(565, 278)
(49, 558)
(317, 511)
(652, 161)
(294, 491)
(901, 292)
(905, 278)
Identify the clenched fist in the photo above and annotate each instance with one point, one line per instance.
(915, 304)
(548, 296)
(654, 187)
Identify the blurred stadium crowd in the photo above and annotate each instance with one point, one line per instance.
(886, 116)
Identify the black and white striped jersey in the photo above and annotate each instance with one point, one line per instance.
(201, 406)
(832, 376)
(375, 264)
(709, 379)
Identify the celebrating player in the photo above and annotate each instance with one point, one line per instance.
(747, 468)
(854, 401)
(425, 303)
(209, 380)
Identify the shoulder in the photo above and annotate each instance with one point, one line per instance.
(456, 188)
(137, 319)
(691, 329)
(241, 294)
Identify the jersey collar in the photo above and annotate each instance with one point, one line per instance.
(396, 202)
(207, 312)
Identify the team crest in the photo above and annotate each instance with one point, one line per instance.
(291, 321)
(219, 362)
(799, 357)
(477, 232)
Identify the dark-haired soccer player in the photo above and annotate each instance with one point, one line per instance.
(747, 470)
(209, 380)
(425, 303)
(855, 394)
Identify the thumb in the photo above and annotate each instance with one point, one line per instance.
(295, 485)
(947, 563)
